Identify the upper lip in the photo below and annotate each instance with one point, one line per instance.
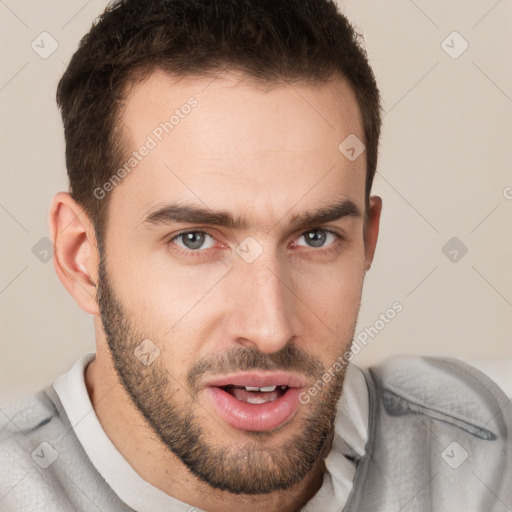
(258, 379)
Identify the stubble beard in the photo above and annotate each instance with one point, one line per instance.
(254, 467)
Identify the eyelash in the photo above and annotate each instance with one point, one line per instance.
(335, 246)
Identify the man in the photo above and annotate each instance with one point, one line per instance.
(218, 229)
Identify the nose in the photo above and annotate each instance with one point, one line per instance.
(262, 313)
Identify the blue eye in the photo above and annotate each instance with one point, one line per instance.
(193, 240)
(196, 242)
(318, 237)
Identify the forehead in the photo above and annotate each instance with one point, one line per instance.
(228, 144)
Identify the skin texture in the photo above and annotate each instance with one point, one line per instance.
(264, 155)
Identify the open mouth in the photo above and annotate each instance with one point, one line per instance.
(255, 402)
(256, 395)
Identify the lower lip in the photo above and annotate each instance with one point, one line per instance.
(255, 417)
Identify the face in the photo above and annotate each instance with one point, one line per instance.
(232, 270)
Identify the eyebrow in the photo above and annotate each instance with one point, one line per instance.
(192, 214)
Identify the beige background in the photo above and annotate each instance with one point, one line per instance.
(445, 166)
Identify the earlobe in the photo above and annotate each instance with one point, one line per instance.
(75, 250)
(372, 229)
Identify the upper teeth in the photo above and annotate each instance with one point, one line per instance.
(265, 389)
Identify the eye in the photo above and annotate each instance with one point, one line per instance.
(193, 240)
(318, 238)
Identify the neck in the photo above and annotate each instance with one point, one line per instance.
(155, 463)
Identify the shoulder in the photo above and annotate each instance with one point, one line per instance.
(27, 415)
(21, 423)
(434, 423)
(29, 433)
(446, 389)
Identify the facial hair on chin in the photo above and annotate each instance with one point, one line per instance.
(248, 468)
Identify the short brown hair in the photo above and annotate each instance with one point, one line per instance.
(273, 41)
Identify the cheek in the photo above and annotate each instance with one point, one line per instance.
(333, 289)
(332, 298)
(160, 292)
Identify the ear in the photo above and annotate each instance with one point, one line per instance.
(372, 229)
(76, 257)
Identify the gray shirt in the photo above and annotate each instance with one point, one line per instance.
(55, 456)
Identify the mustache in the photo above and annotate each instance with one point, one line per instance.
(289, 358)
